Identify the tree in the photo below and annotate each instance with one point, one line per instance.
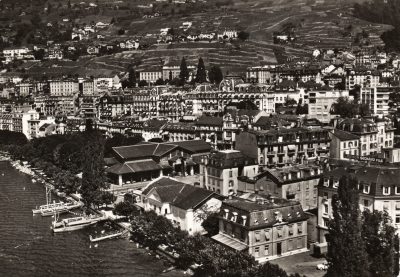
(379, 236)
(66, 182)
(93, 176)
(184, 72)
(143, 83)
(215, 75)
(211, 224)
(125, 208)
(346, 249)
(39, 54)
(345, 107)
(159, 82)
(290, 102)
(201, 75)
(242, 35)
(131, 77)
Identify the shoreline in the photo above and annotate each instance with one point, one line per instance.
(27, 170)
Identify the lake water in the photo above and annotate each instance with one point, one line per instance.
(29, 248)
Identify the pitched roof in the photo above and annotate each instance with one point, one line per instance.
(161, 181)
(210, 121)
(178, 194)
(150, 149)
(344, 136)
(194, 146)
(230, 159)
(262, 212)
(376, 177)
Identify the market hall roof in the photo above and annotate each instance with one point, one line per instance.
(150, 149)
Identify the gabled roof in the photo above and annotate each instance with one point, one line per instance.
(210, 121)
(159, 182)
(344, 136)
(178, 194)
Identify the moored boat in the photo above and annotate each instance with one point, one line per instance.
(74, 223)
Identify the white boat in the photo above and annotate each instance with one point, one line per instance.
(46, 207)
(61, 209)
(74, 223)
(107, 236)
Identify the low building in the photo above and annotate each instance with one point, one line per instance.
(147, 161)
(219, 171)
(267, 228)
(186, 206)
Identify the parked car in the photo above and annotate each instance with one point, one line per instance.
(323, 266)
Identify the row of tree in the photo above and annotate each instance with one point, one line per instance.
(214, 76)
(360, 244)
(63, 157)
(213, 259)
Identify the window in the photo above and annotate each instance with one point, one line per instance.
(266, 250)
(325, 222)
(386, 190)
(299, 228)
(267, 235)
(280, 232)
(257, 236)
(397, 190)
(344, 144)
(290, 227)
(326, 208)
(366, 189)
(257, 251)
(230, 173)
(386, 205)
(230, 183)
(366, 203)
(290, 245)
(398, 205)
(300, 243)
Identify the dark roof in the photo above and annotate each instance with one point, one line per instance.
(263, 212)
(194, 146)
(268, 122)
(191, 197)
(376, 177)
(210, 121)
(163, 181)
(134, 167)
(149, 149)
(229, 159)
(178, 194)
(343, 135)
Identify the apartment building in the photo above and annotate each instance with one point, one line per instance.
(219, 171)
(280, 147)
(362, 78)
(377, 99)
(63, 87)
(320, 103)
(298, 182)
(379, 189)
(266, 227)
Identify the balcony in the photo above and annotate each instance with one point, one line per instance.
(281, 152)
(322, 149)
(271, 153)
(310, 149)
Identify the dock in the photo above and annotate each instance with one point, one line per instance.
(108, 236)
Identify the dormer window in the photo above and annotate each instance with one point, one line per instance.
(386, 190)
(326, 182)
(226, 213)
(335, 184)
(366, 189)
(234, 217)
(244, 220)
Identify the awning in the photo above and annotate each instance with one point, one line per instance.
(228, 241)
(291, 147)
